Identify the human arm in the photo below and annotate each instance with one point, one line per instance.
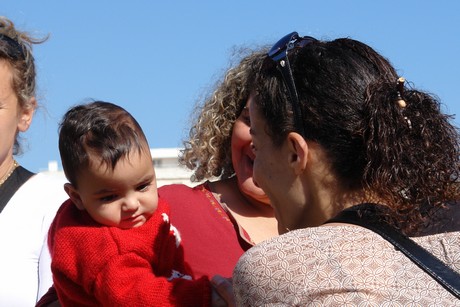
(50, 198)
(45, 277)
(112, 266)
(126, 280)
(222, 292)
(129, 280)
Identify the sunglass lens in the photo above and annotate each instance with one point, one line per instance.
(277, 52)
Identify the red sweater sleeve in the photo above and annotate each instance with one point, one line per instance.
(128, 281)
(94, 265)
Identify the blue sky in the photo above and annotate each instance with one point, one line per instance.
(157, 59)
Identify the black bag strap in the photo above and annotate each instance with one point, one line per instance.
(442, 273)
(12, 184)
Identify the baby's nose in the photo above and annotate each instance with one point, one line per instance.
(130, 204)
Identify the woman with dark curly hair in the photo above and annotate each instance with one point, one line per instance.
(341, 139)
(220, 219)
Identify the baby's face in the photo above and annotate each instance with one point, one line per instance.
(125, 197)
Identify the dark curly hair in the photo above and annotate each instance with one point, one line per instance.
(408, 157)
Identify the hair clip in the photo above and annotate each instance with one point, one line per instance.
(409, 123)
(401, 101)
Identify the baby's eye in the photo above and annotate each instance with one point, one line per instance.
(253, 148)
(143, 187)
(107, 198)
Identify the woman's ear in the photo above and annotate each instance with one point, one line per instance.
(298, 152)
(26, 114)
(74, 195)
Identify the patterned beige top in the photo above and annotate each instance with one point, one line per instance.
(341, 266)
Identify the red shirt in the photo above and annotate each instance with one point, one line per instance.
(213, 241)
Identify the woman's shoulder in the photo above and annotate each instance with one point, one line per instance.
(313, 264)
(338, 236)
(48, 185)
(175, 188)
(40, 194)
(329, 244)
(445, 246)
(314, 240)
(342, 245)
(180, 194)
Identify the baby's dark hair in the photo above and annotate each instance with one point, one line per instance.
(100, 130)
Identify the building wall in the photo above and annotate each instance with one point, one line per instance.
(165, 161)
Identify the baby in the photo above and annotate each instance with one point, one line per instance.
(112, 243)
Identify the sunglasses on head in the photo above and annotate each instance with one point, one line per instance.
(279, 54)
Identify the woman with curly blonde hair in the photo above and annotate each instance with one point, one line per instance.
(206, 152)
(227, 214)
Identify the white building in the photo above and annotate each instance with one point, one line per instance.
(165, 161)
(167, 167)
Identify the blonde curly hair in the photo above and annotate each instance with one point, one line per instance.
(208, 150)
(16, 50)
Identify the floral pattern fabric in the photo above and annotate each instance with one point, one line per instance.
(341, 266)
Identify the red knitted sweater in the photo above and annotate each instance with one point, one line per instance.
(96, 265)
